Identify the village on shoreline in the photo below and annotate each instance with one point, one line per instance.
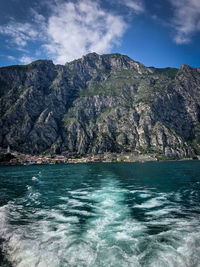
(8, 157)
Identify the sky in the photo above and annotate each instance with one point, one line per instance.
(159, 33)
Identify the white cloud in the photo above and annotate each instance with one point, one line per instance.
(79, 28)
(186, 21)
(11, 58)
(135, 5)
(20, 33)
(71, 30)
(26, 59)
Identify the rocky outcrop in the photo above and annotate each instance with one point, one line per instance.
(100, 103)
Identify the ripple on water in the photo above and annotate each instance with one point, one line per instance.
(106, 225)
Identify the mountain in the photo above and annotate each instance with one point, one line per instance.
(100, 103)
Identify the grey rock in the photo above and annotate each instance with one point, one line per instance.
(100, 103)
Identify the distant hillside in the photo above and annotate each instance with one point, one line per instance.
(100, 103)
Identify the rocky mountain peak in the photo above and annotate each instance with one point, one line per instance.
(186, 68)
(41, 62)
(100, 103)
(106, 62)
(90, 56)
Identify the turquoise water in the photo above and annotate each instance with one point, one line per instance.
(115, 214)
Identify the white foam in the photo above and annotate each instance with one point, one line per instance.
(64, 198)
(79, 192)
(122, 236)
(81, 197)
(160, 212)
(61, 218)
(29, 187)
(81, 212)
(35, 178)
(154, 202)
(75, 203)
(109, 236)
(145, 195)
(80, 253)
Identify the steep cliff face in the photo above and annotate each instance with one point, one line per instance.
(100, 103)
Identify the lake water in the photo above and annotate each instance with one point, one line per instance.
(104, 214)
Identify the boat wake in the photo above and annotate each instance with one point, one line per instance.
(111, 225)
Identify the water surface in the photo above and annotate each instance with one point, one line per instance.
(115, 214)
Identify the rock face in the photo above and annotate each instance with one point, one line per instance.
(100, 103)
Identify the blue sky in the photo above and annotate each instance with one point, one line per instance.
(157, 33)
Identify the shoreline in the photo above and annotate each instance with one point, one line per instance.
(19, 159)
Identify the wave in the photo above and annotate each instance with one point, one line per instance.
(108, 225)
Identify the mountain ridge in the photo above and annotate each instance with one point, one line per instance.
(100, 103)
